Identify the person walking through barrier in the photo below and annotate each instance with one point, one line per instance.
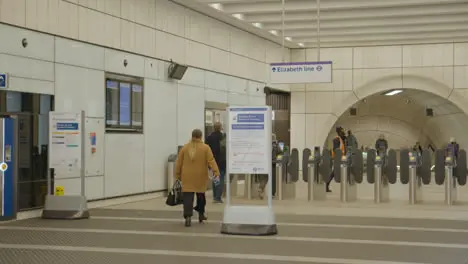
(351, 142)
(217, 143)
(338, 143)
(192, 165)
(452, 148)
(381, 145)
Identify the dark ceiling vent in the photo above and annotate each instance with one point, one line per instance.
(353, 111)
(429, 112)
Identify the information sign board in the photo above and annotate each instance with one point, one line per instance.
(249, 140)
(65, 140)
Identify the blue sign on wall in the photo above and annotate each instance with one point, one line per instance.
(67, 126)
(3, 80)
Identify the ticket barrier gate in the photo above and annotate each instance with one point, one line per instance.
(316, 170)
(234, 184)
(348, 171)
(252, 185)
(381, 171)
(451, 172)
(415, 170)
(287, 171)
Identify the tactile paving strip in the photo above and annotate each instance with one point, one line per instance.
(28, 256)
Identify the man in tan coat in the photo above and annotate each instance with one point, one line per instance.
(192, 169)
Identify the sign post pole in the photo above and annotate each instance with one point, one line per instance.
(83, 155)
(249, 148)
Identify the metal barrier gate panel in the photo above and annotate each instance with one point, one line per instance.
(357, 165)
(439, 166)
(461, 169)
(426, 167)
(325, 166)
(294, 165)
(370, 166)
(305, 164)
(337, 165)
(404, 166)
(391, 168)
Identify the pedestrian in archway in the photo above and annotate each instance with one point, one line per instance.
(351, 142)
(381, 145)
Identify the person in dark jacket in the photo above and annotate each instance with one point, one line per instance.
(216, 141)
(452, 148)
(351, 142)
(381, 145)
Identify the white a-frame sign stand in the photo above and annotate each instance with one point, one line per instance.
(249, 148)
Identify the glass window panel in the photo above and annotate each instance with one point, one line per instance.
(125, 110)
(137, 105)
(13, 102)
(112, 103)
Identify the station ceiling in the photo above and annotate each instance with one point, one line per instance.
(344, 23)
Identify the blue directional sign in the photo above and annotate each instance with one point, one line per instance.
(3, 80)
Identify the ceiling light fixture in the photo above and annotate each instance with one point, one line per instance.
(238, 16)
(259, 25)
(300, 44)
(392, 92)
(274, 32)
(288, 38)
(217, 6)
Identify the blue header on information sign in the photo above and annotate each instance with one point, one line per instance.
(250, 118)
(248, 127)
(67, 126)
(253, 109)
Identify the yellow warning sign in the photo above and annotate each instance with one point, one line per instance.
(59, 191)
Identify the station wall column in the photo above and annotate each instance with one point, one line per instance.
(8, 167)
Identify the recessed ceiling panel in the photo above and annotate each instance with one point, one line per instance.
(349, 23)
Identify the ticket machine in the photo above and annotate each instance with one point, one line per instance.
(8, 167)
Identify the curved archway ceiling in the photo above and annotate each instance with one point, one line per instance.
(402, 118)
(349, 23)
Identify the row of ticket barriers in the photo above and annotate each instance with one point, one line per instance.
(416, 169)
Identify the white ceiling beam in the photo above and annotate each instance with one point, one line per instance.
(308, 5)
(427, 28)
(415, 41)
(368, 23)
(234, 22)
(428, 10)
(395, 36)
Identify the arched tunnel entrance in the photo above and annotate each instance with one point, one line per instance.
(404, 117)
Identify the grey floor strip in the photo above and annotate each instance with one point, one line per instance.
(297, 218)
(208, 235)
(211, 227)
(251, 257)
(448, 230)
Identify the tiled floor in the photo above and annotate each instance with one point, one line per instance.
(321, 232)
